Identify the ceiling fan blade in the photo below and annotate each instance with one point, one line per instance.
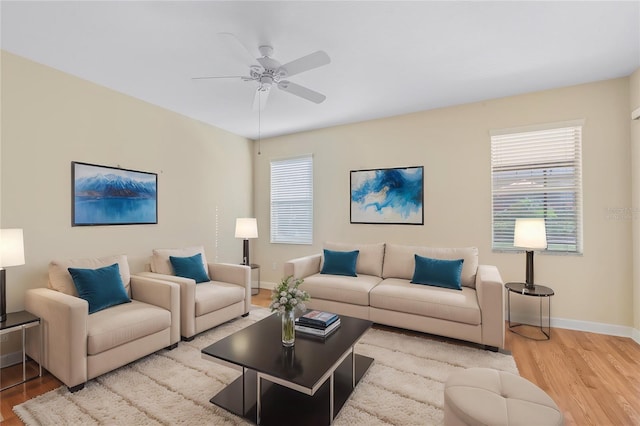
(249, 57)
(309, 62)
(301, 91)
(243, 77)
(260, 98)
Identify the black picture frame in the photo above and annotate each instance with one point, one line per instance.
(387, 196)
(104, 195)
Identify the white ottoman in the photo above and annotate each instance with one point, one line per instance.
(483, 396)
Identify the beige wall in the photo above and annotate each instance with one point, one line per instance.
(50, 118)
(454, 147)
(634, 98)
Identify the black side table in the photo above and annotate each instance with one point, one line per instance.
(539, 291)
(20, 321)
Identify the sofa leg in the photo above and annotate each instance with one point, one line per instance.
(245, 315)
(172, 347)
(76, 388)
(492, 348)
(187, 339)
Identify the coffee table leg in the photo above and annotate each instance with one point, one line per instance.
(331, 396)
(244, 393)
(258, 399)
(353, 368)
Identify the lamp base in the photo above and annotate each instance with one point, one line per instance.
(245, 252)
(3, 296)
(529, 283)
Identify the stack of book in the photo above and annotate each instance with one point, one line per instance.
(318, 323)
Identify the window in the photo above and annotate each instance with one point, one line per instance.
(537, 173)
(292, 200)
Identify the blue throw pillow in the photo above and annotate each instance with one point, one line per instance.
(340, 262)
(190, 267)
(438, 272)
(102, 287)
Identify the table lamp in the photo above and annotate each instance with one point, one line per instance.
(530, 234)
(246, 227)
(11, 254)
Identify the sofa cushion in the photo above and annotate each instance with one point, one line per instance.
(214, 295)
(190, 267)
(101, 287)
(400, 295)
(369, 259)
(124, 323)
(339, 262)
(399, 261)
(161, 264)
(60, 278)
(438, 272)
(354, 290)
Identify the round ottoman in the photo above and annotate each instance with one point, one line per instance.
(483, 396)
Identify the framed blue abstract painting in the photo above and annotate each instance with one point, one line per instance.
(103, 195)
(388, 196)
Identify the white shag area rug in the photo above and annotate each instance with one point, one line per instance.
(404, 386)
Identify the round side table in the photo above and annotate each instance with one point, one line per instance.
(539, 291)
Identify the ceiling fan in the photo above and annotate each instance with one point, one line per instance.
(268, 72)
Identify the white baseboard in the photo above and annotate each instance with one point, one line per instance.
(11, 358)
(267, 285)
(588, 326)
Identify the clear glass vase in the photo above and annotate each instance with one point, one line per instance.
(288, 328)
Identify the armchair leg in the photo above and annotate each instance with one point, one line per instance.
(187, 339)
(76, 388)
(245, 315)
(172, 347)
(491, 348)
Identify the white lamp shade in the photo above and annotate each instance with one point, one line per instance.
(246, 227)
(530, 234)
(11, 247)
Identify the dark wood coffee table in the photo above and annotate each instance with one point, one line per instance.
(306, 384)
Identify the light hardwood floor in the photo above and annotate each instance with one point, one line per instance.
(594, 378)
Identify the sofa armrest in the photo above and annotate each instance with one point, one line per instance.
(234, 274)
(303, 266)
(159, 290)
(490, 291)
(64, 322)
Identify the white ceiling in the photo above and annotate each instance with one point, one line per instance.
(387, 58)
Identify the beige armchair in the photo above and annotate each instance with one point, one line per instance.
(226, 294)
(79, 346)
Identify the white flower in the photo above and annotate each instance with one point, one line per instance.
(283, 293)
(283, 300)
(294, 302)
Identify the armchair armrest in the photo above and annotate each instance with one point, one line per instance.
(234, 274)
(161, 292)
(303, 266)
(490, 291)
(64, 322)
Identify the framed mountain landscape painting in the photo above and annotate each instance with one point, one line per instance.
(388, 196)
(105, 195)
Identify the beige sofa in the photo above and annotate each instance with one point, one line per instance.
(208, 304)
(79, 346)
(382, 292)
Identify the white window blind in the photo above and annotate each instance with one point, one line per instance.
(292, 200)
(538, 174)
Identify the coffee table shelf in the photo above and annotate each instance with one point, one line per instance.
(307, 371)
